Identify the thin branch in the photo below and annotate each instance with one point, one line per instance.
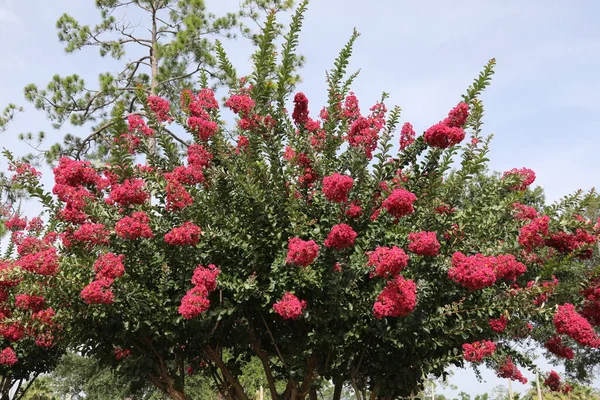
(20, 396)
(375, 391)
(98, 131)
(181, 77)
(273, 341)
(265, 362)
(212, 354)
(183, 142)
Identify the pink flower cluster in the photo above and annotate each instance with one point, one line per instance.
(531, 236)
(71, 177)
(554, 383)
(388, 262)
(579, 242)
(341, 236)
(304, 163)
(364, 131)
(524, 212)
(556, 346)
(336, 187)
(354, 211)
(423, 243)
(30, 302)
(94, 234)
(186, 235)
(472, 272)
(351, 110)
(8, 357)
(508, 370)
(449, 132)
(407, 135)
(508, 268)
(161, 108)
(301, 252)
(398, 298)
(476, 351)
(128, 193)
(526, 177)
(203, 128)
(240, 104)
(289, 306)
(198, 156)
(98, 292)
(199, 122)
(15, 224)
(479, 271)
(568, 322)
(300, 113)
(121, 353)
(29, 245)
(12, 332)
(591, 305)
(442, 136)
(74, 173)
(137, 125)
(457, 117)
(177, 196)
(242, 144)
(108, 267)
(23, 172)
(44, 262)
(499, 324)
(399, 203)
(134, 226)
(196, 301)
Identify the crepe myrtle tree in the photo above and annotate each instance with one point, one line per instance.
(29, 332)
(163, 45)
(322, 243)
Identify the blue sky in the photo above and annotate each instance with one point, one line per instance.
(543, 105)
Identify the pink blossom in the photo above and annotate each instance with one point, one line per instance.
(388, 262)
(341, 236)
(289, 307)
(186, 235)
(161, 107)
(398, 298)
(525, 175)
(98, 292)
(301, 252)
(477, 351)
(399, 203)
(407, 135)
(336, 187)
(423, 243)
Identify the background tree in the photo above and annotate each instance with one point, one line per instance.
(165, 53)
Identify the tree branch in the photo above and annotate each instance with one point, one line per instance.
(265, 362)
(212, 354)
(273, 341)
(183, 142)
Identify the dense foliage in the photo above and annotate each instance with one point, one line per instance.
(328, 248)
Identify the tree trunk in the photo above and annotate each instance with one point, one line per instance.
(7, 383)
(312, 394)
(166, 384)
(176, 394)
(337, 390)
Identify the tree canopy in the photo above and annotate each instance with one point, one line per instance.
(335, 247)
